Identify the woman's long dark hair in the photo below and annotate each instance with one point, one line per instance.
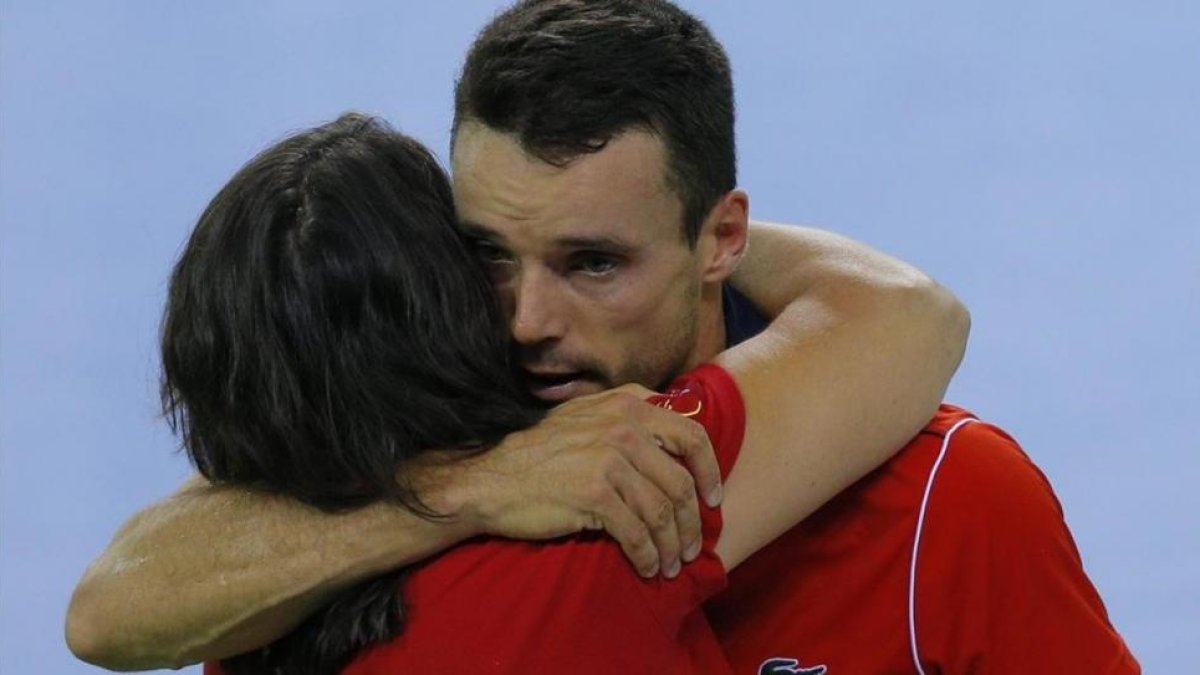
(324, 326)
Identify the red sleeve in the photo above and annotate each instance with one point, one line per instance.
(1000, 584)
(708, 395)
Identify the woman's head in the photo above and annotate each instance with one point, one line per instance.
(326, 323)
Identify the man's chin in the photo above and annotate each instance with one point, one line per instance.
(559, 392)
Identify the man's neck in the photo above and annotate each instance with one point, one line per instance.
(710, 328)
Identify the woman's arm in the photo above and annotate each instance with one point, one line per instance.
(856, 361)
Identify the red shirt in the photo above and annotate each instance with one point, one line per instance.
(997, 585)
(573, 605)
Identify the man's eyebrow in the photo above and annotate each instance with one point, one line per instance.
(600, 243)
(476, 231)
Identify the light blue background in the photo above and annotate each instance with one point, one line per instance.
(1040, 158)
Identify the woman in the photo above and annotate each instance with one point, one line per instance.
(325, 325)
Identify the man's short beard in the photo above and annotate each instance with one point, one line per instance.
(671, 361)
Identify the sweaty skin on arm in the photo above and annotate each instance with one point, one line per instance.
(211, 572)
(855, 363)
(214, 571)
(194, 575)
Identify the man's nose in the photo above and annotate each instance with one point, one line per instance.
(537, 308)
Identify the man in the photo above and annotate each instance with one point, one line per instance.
(978, 554)
(553, 183)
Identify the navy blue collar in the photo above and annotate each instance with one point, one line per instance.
(742, 319)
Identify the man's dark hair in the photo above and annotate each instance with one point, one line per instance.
(567, 76)
(325, 325)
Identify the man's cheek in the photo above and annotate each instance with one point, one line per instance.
(505, 297)
(625, 312)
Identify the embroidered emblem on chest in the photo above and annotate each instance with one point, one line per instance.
(782, 666)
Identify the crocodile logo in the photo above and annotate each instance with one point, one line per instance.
(782, 666)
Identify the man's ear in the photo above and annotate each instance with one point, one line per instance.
(724, 235)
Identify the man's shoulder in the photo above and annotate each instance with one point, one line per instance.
(998, 566)
(946, 417)
(961, 470)
(980, 474)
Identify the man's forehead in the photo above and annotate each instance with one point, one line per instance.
(475, 146)
(612, 199)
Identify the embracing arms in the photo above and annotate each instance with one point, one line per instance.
(854, 364)
(869, 345)
(205, 572)
(214, 571)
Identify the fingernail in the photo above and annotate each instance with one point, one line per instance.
(692, 550)
(713, 498)
(650, 572)
(672, 570)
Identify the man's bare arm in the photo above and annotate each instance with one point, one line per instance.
(203, 547)
(855, 363)
(215, 571)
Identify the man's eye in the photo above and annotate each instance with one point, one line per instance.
(490, 254)
(594, 264)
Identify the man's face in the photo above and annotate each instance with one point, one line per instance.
(599, 285)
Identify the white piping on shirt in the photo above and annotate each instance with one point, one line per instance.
(912, 572)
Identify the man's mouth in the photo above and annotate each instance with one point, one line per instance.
(556, 387)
